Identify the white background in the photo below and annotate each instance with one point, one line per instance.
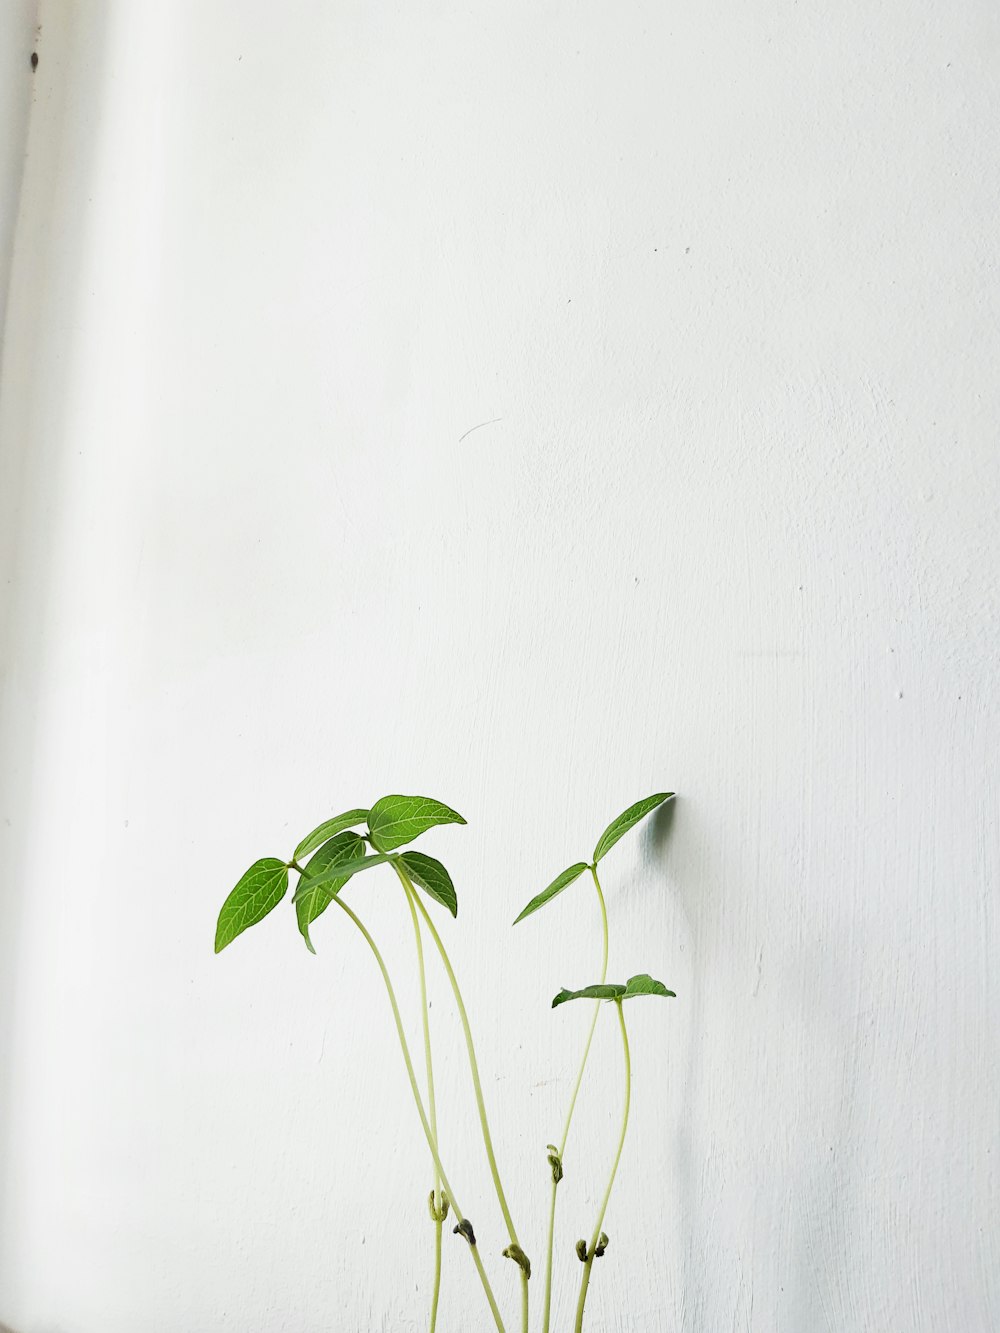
(722, 277)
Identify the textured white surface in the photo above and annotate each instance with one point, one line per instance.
(722, 278)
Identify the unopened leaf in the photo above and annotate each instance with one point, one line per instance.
(643, 984)
(259, 891)
(433, 878)
(561, 881)
(626, 820)
(312, 896)
(319, 835)
(394, 821)
(605, 991)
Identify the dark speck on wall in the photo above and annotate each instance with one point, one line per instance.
(34, 60)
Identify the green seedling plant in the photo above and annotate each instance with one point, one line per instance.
(331, 856)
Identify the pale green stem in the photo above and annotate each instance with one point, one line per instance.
(480, 1103)
(436, 1196)
(428, 1135)
(589, 1263)
(438, 1225)
(597, 1006)
(548, 1256)
(572, 1104)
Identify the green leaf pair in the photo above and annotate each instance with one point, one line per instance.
(642, 984)
(393, 821)
(615, 830)
(338, 854)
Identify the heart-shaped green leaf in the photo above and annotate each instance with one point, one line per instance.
(643, 984)
(259, 891)
(311, 898)
(601, 992)
(561, 881)
(433, 878)
(394, 821)
(342, 870)
(319, 835)
(628, 819)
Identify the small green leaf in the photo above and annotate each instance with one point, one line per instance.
(433, 878)
(643, 984)
(319, 835)
(560, 882)
(628, 819)
(259, 891)
(601, 992)
(342, 870)
(312, 897)
(394, 821)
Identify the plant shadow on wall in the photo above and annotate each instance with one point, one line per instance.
(325, 862)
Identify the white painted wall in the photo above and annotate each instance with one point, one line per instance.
(722, 278)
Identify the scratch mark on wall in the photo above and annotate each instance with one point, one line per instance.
(491, 422)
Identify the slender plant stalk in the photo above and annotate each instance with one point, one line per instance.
(437, 1198)
(478, 1088)
(438, 1226)
(597, 1005)
(592, 1248)
(548, 1256)
(572, 1104)
(431, 1140)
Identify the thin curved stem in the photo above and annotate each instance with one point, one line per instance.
(572, 1104)
(431, 1100)
(597, 1006)
(431, 1140)
(592, 1248)
(478, 1088)
(437, 1198)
